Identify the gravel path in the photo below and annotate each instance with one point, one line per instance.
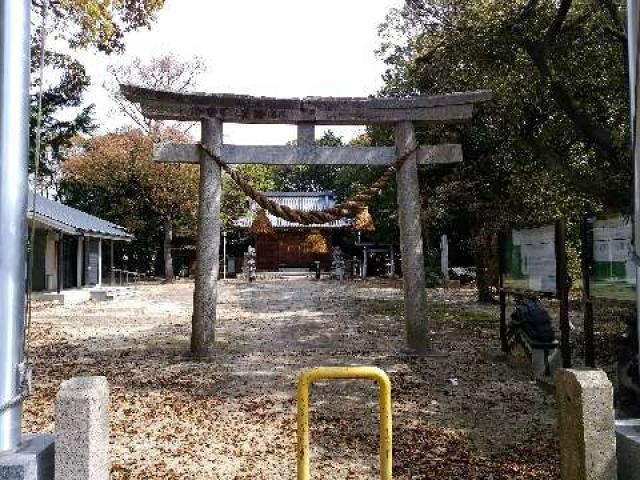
(233, 416)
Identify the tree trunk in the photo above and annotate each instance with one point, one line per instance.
(484, 252)
(168, 258)
(483, 281)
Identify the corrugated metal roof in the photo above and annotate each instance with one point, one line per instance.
(58, 216)
(305, 201)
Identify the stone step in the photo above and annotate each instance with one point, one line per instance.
(294, 270)
(105, 294)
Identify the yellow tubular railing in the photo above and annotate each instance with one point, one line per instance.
(308, 377)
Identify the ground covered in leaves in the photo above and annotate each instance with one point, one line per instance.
(464, 416)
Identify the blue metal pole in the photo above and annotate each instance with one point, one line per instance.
(14, 138)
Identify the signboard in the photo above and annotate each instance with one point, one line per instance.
(613, 273)
(529, 260)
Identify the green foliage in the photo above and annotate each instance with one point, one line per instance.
(235, 204)
(312, 178)
(57, 134)
(526, 140)
(100, 24)
(553, 142)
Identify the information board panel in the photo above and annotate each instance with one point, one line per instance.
(613, 273)
(529, 260)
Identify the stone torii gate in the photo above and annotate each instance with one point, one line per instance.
(213, 110)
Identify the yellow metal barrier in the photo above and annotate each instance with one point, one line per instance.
(308, 377)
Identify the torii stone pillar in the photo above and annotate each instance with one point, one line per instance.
(411, 247)
(208, 245)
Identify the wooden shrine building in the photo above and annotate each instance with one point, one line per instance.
(289, 245)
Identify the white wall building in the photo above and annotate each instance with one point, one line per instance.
(71, 248)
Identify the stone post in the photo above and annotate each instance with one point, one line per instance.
(392, 253)
(444, 258)
(82, 429)
(364, 263)
(415, 295)
(208, 245)
(587, 425)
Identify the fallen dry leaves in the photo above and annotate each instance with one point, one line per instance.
(233, 416)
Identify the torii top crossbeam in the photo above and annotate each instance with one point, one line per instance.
(166, 105)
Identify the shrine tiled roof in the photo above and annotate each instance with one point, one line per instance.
(73, 221)
(305, 201)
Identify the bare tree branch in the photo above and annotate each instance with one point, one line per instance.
(166, 72)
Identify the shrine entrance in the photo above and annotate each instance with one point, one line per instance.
(403, 160)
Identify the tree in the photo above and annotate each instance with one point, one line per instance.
(116, 178)
(57, 134)
(166, 72)
(554, 140)
(310, 178)
(78, 24)
(235, 204)
(99, 24)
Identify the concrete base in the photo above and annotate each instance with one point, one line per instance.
(33, 460)
(545, 363)
(628, 449)
(541, 362)
(451, 284)
(66, 297)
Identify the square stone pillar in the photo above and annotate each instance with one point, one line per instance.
(587, 425)
(82, 429)
(208, 245)
(411, 247)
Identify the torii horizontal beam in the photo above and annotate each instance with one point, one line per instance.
(308, 155)
(166, 105)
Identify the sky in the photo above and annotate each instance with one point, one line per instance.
(281, 48)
